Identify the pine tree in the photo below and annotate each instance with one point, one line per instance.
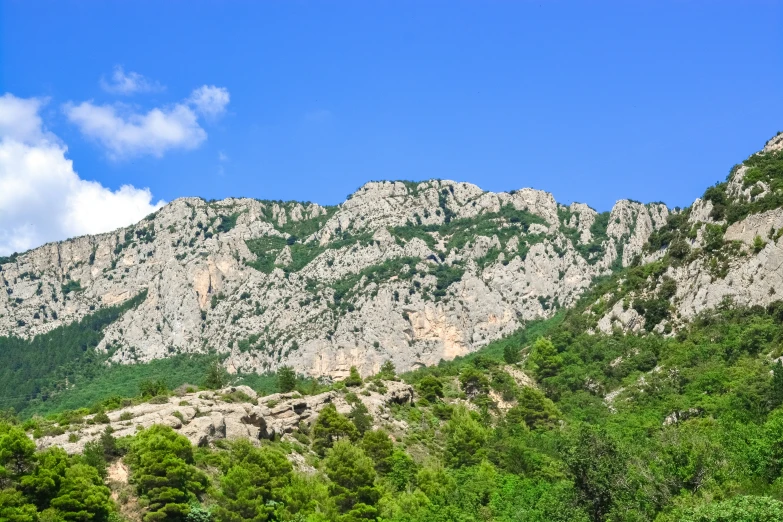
(544, 359)
(776, 390)
(388, 371)
(354, 379)
(511, 354)
(216, 376)
(331, 427)
(353, 482)
(379, 447)
(361, 418)
(286, 379)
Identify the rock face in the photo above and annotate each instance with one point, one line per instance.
(408, 272)
(746, 266)
(206, 416)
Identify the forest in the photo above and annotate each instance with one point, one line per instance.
(693, 431)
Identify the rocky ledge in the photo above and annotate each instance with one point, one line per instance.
(236, 412)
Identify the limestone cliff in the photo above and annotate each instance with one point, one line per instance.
(411, 272)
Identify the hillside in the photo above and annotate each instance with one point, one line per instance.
(649, 391)
(408, 272)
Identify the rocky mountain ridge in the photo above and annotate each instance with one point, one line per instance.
(401, 271)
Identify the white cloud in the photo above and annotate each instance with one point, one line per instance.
(210, 101)
(126, 133)
(130, 83)
(41, 197)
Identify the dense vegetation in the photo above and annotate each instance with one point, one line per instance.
(686, 426)
(692, 432)
(37, 368)
(764, 177)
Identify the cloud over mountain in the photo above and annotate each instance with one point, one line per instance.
(125, 132)
(42, 198)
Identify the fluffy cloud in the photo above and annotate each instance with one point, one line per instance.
(130, 83)
(41, 197)
(210, 101)
(125, 133)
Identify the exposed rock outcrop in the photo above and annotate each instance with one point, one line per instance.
(326, 288)
(206, 416)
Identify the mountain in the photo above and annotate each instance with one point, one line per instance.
(401, 271)
(644, 383)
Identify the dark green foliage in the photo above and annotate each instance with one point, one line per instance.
(227, 223)
(267, 249)
(776, 389)
(216, 376)
(431, 388)
(533, 409)
(738, 509)
(37, 369)
(353, 379)
(388, 371)
(378, 446)
(446, 276)
(331, 427)
(474, 382)
(254, 481)
(352, 487)
(163, 472)
(465, 439)
(71, 286)
(361, 418)
(766, 168)
(597, 466)
(402, 470)
(286, 379)
(82, 495)
(47, 484)
(8, 259)
(511, 354)
(152, 388)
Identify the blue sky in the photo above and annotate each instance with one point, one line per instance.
(592, 101)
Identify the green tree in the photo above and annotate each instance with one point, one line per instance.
(474, 382)
(361, 418)
(544, 359)
(93, 455)
(163, 471)
(43, 484)
(153, 388)
(465, 439)
(253, 484)
(354, 379)
(402, 470)
(388, 371)
(14, 507)
(431, 388)
(16, 452)
(511, 354)
(597, 466)
(83, 497)
(352, 487)
(776, 389)
(533, 409)
(330, 427)
(758, 244)
(746, 508)
(286, 379)
(216, 376)
(379, 447)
